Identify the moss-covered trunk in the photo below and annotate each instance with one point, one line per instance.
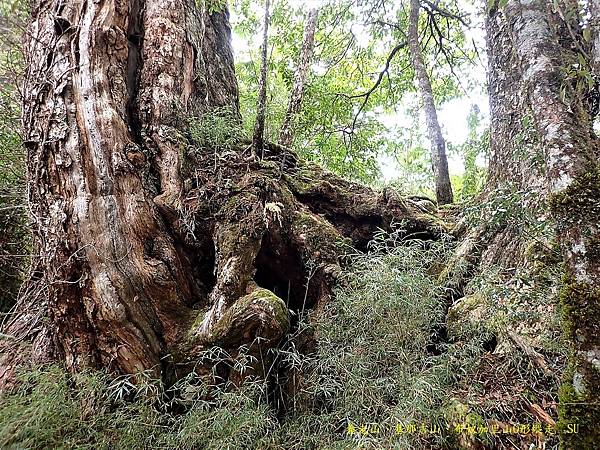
(551, 58)
(150, 246)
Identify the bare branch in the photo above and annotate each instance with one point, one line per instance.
(368, 93)
(445, 13)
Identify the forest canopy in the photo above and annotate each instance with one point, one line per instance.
(299, 224)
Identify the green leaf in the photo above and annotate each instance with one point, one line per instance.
(587, 34)
(590, 81)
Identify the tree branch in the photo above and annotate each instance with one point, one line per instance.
(445, 13)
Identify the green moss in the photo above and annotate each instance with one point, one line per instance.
(267, 302)
(578, 416)
(196, 319)
(543, 257)
(580, 308)
(270, 167)
(261, 299)
(282, 314)
(467, 305)
(459, 417)
(242, 206)
(271, 302)
(472, 316)
(580, 199)
(319, 235)
(458, 266)
(579, 395)
(438, 223)
(306, 178)
(579, 398)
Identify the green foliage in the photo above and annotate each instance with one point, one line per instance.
(520, 299)
(495, 4)
(580, 76)
(344, 122)
(52, 409)
(372, 365)
(217, 130)
(212, 6)
(14, 236)
(324, 128)
(14, 8)
(505, 206)
(474, 152)
(412, 158)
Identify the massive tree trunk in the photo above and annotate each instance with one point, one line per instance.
(514, 148)
(543, 47)
(286, 135)
(443, 188)
(149, 247)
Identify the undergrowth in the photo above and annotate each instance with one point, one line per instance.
(14, 234)
(371, 379)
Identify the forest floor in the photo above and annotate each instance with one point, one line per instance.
(406, 358)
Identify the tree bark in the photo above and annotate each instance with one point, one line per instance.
(286, 135)
(261, 102)
(443, 188)
(151, 248)
(594, 26)
(514, 146)
(104, 87)
(545, 46)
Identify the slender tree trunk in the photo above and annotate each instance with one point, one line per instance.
(286, 135)
(261, 102)
(545, 47)
(443, 188)
(147, 252)
(595, 34)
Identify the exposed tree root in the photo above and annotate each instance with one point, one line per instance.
(152, 248)
(259, 238)
(284, 226)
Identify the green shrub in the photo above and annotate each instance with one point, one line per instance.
(14, 235)
(217, 130)
(372, 368)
